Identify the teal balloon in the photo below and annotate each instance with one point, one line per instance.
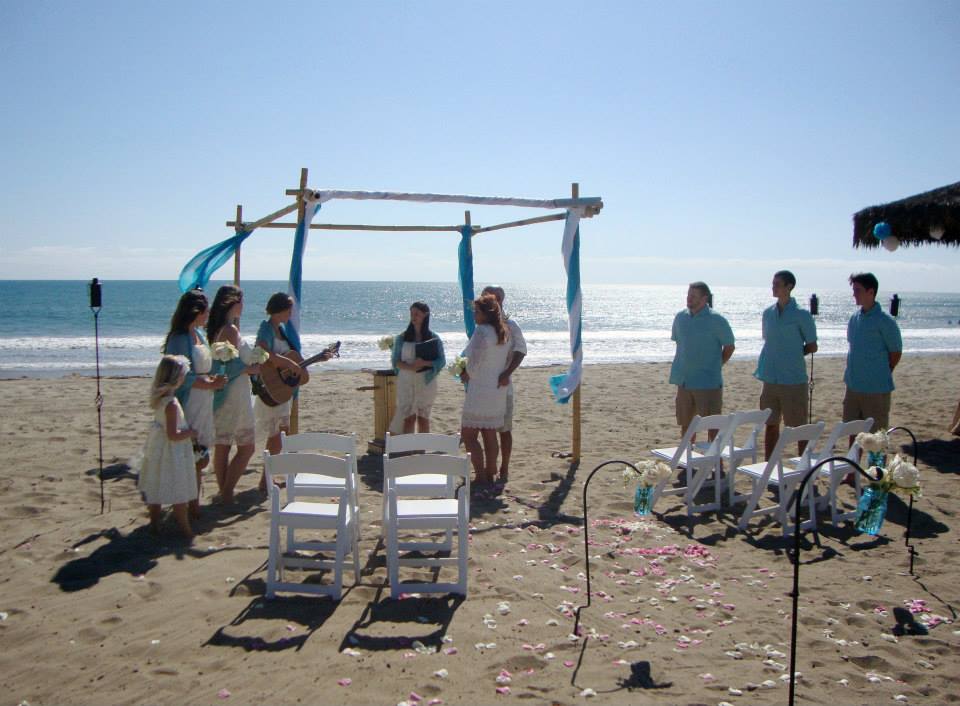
(881, 230)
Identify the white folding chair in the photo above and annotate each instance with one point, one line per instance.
(777, 473)
(316, 485)
(433, 514)
(422, 485)
(697, 466)
(319, 516)
(835, 471)
(753, 421)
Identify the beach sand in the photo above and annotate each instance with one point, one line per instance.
(97, 610)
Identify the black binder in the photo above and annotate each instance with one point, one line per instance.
(428, 350)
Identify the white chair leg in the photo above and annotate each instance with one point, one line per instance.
(463, 541)
(272, 558)
(393, 560)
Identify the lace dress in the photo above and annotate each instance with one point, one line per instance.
(233, 416)
(199, 409)
(167, 473)
(486, 402)
(415, 396)
(271, 419)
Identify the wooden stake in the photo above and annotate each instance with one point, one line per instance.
(301, 215)
(576, 393)
(236, 254)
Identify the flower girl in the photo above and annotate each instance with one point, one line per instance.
(167, 474)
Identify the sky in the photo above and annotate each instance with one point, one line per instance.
(727, 139)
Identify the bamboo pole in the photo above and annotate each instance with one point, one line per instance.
(357, 226)
(575, 189)
(301, 215)
(236, 254)
(524, 222)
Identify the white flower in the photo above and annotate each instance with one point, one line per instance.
(877, 443)
(258, 356)
(457, 367)
(385, 343)
(224, 351)
(648, 473)
(904, 474)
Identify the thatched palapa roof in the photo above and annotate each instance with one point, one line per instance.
(911, 219)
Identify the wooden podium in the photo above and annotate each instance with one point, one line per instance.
(384, 403)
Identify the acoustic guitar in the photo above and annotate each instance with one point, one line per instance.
(275, 385)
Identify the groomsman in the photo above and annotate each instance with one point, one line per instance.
(789, 334)
(704, 343)
(518, 351)
(875, 350)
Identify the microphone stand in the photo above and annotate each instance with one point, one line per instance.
(95, 306)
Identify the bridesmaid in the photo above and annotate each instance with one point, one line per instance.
(196, 393)
(232, 405)
(276, 336)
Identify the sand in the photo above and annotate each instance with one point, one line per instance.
(95, 609)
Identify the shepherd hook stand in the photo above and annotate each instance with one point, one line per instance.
(796, 558)
(586, 536)
(906, 535)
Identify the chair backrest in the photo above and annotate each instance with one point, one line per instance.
(754, 420)
(456, 466)
(318, 441)
(808, 433)
(424, 443)
(839, 431)
(288, 464)
(721, 423)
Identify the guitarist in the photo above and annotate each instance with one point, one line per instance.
(277, 336)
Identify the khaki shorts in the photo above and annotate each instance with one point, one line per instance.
(787, 402)
(702, 402)
(860, 405)
(507, 416)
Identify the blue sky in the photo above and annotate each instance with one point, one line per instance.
(727, 139)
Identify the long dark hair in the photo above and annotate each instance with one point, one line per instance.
(488, 304)
(227, 296)
(191, 304)
(411, 333)
(281, 301)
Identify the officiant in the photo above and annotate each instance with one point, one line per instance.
(417, 358)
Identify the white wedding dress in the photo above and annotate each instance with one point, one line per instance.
(486, 402)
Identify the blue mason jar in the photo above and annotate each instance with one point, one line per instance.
(871, 510)
(643, 500)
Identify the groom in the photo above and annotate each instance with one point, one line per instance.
(518, 350)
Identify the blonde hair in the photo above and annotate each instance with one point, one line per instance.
(170, 373)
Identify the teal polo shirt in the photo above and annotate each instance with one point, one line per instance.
(785, 333)
(700, 340)
(873, 335)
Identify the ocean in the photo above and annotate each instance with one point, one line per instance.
(49, 328)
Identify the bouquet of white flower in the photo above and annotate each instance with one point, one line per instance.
(457, 367)
(257, 356)
(385, 343)
(899, 476)
(224, 351)
(874, 443)
(648, 473)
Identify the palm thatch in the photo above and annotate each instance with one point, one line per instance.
(911, 219)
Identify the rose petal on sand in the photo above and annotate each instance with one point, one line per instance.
(223, 694)
(503, 690)
(568, 663)
(345, 682)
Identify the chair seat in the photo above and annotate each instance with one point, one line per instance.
(668, 453)
(756, 470)
(437, 508)
(314, 510)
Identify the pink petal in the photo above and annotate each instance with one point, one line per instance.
(224, 693)
(504, 690)
(568, 663)
(344, 682)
